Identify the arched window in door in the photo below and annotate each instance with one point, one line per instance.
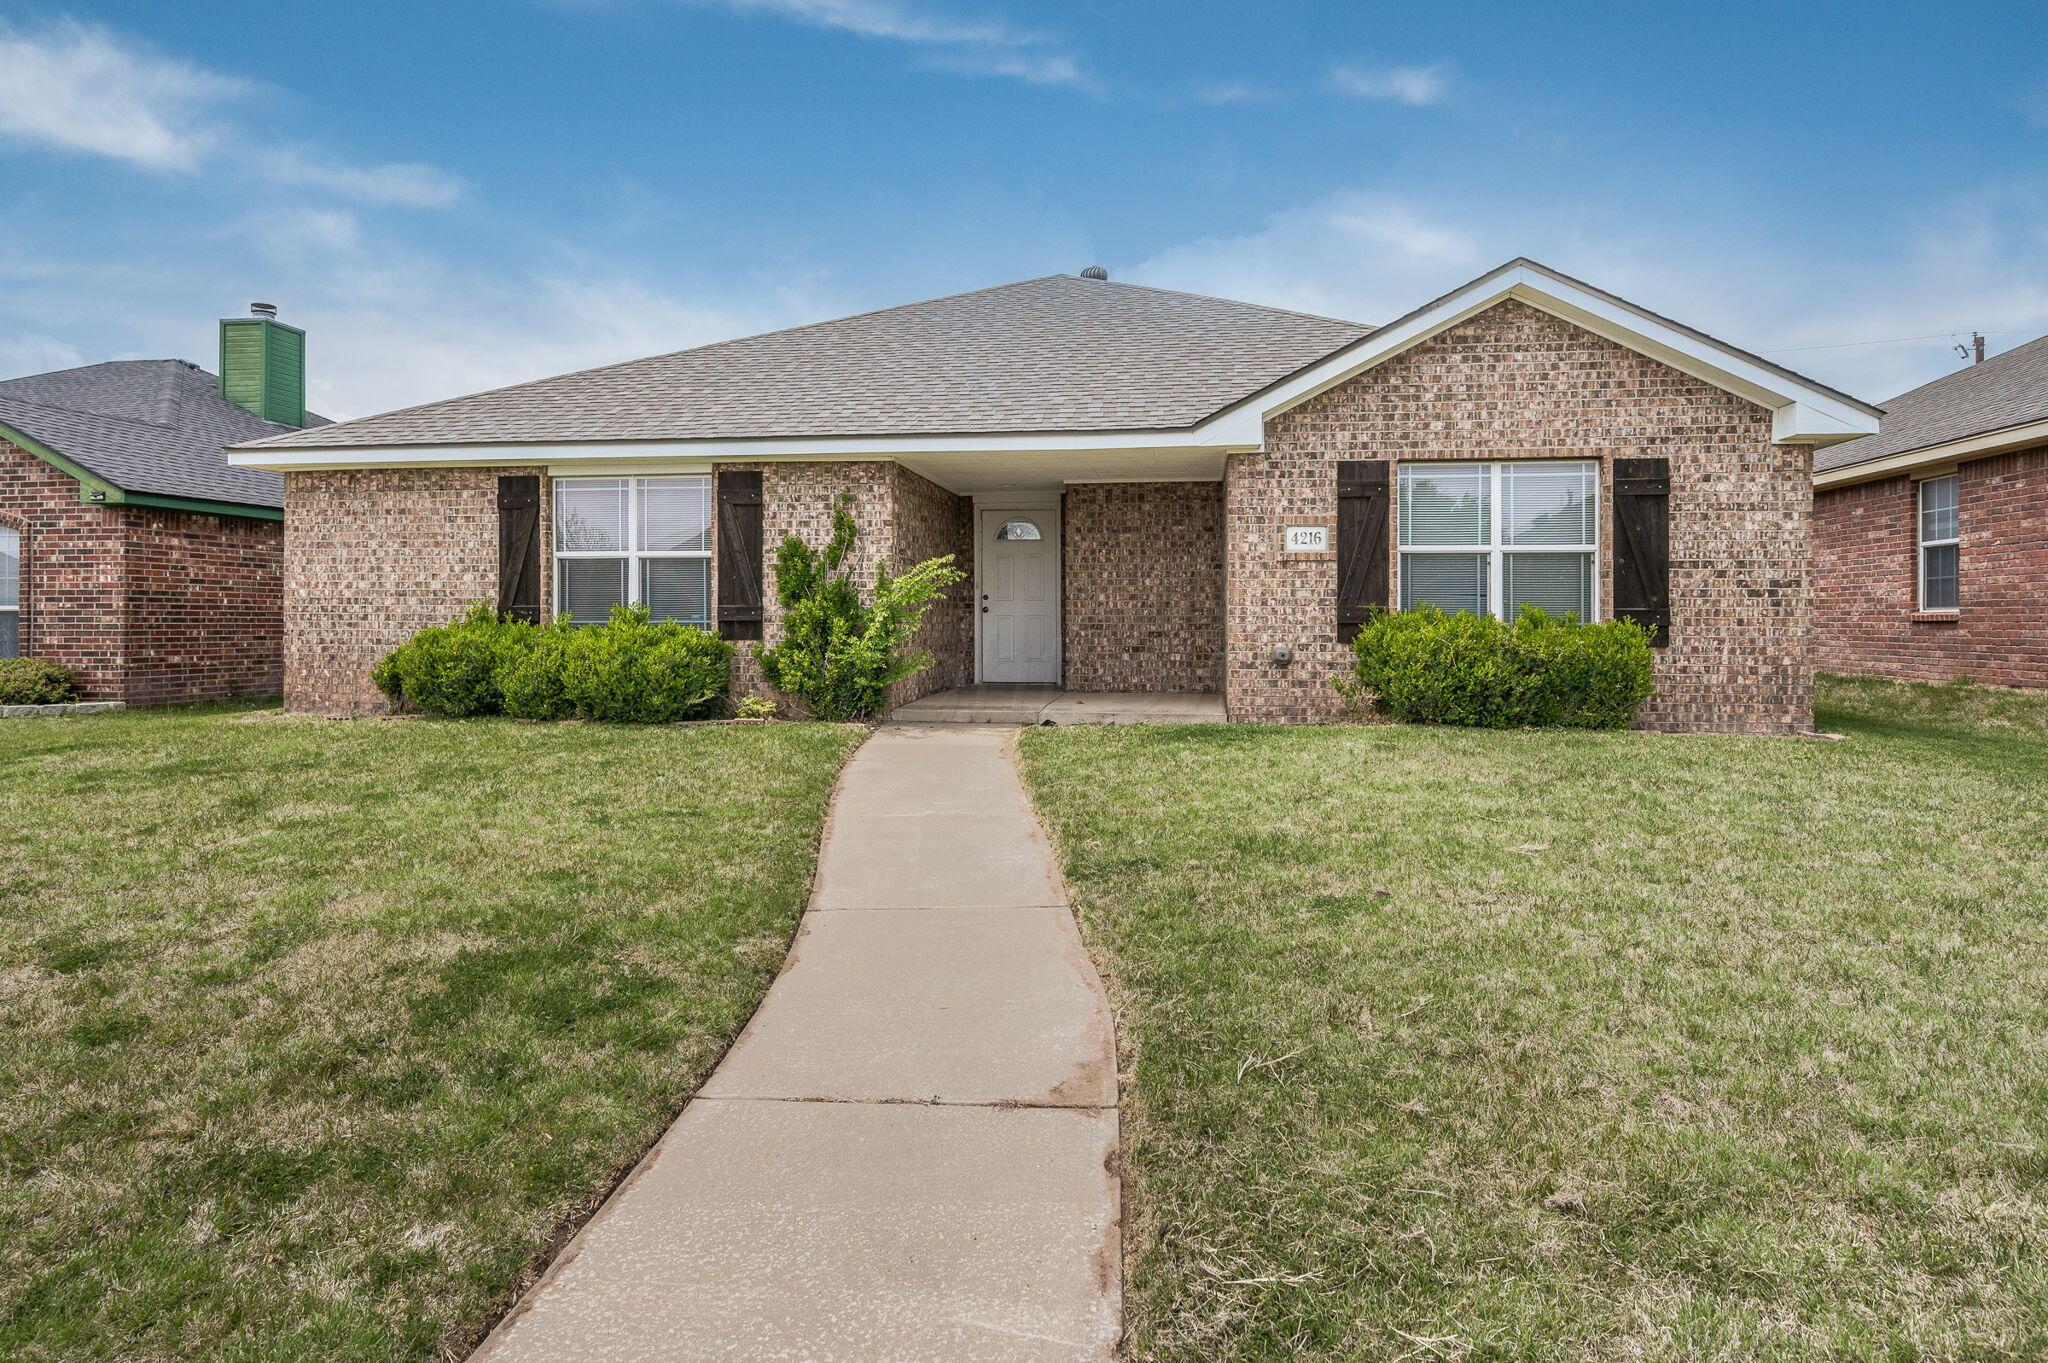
(1019, 528)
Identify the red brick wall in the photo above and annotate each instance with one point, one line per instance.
(1867, 578)
(1143, 586)
(147, 606)
(71, 572)
(1518, 383)
(203, 606)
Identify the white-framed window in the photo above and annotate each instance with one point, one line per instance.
(10, 593)
(1492, 538)
(633, 541)
(1941, 546)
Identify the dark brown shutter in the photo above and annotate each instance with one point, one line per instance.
(519, 548)
(739, 554)
(1361, 543)
(1642, 545)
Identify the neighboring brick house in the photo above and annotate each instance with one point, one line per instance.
(1152, 491)
(131, 551)
(1931, 537)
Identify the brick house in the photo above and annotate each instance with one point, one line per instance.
(1931, 537)
(131, 550)
(1152, 491)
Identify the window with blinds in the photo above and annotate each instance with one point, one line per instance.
(1492, 538)
(10, 593)
(633, 541)
(1941, 544)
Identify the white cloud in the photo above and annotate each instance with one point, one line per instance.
(1979, 261)
(387, 327)
(970, 46)
(1413, 85)
(406, 184)
(1050, 68)
(77, 87)
(81, 88)
(37, 354)
(1369, 257)
(1224, 94)
(884, 19)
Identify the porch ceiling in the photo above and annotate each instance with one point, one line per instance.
(973, 473)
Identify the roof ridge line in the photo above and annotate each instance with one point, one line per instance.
(1219, 298)
(88, 412)
(685, 350)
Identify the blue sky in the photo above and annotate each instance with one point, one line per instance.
(453, 196)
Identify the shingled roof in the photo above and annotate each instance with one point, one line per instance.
(155, 427)
(1061, 353)
(2005, 391)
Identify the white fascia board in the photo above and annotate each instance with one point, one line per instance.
(823, 448)
(1801, 412)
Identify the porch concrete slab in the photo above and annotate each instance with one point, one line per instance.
(1135, 707)
(844, 1231)
(932, 1005)
(991, 704)
(913, 832)
(1030, 705)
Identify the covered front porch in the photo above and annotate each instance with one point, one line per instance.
(1000, 703)
(1096, 587)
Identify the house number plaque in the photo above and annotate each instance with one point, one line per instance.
(1307, 539)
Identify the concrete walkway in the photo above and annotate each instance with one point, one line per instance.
(909, 1153)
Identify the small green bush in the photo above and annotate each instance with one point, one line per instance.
(36, 681)
(449, 669)
(531, 671)
(838, 656)
(628, 670)
(631, 670)
(1431, 668)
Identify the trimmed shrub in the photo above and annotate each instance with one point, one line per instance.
(36, 681)
(838, 656)
(631, 670)
(1578, 676)
(449, 669)
(531, 671)
(628, 670)
(1431, 668)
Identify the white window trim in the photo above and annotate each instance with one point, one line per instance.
(1497, 549)
(1920, 537)
(633, 556)
(15, 609)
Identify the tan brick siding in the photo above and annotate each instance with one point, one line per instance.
(374, 556)
(1143, 586)
(798, 499)
(930, 521)
(1517, 383)
(146, 605)
(1867, 572)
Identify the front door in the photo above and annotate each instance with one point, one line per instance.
(1020, 595)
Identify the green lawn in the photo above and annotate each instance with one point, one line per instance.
(1463, 1045)
(313, 1036)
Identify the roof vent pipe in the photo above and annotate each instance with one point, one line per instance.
(1094, 272)
(268, 310)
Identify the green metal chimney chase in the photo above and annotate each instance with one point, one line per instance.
(263, 365)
